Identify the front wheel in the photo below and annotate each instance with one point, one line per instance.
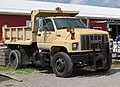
(62, 65)
(108, 63)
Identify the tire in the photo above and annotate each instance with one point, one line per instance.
(108, 63)
(62, 65)
(15, 59)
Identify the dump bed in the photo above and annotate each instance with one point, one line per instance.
(18, 35)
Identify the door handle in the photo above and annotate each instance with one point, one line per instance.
(38, 34)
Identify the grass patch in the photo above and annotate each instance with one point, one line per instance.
(115, 63)
(8, 69)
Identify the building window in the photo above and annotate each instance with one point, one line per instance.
(97, 28)
(28, 23)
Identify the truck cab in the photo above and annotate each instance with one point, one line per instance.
(57, 30)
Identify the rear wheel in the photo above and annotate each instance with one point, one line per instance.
(62, 65)
(15, 59)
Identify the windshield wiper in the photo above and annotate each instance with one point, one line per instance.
(79, 26)
(62, 27)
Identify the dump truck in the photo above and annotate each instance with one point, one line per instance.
(58, 39)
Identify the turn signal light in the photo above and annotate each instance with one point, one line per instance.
(68, 29)
(73, 36)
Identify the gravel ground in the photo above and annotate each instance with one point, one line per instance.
(80, 78)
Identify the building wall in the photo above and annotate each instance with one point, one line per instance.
(93, 25)
(12, 21)
(99, 26)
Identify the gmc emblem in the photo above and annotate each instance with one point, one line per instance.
(95, 41)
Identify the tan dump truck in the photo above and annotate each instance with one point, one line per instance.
(58, 39)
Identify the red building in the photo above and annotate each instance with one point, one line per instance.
(12, 20)
(110, 25)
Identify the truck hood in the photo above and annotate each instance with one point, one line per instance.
(63, 34)
(89, 31)
(83, 31)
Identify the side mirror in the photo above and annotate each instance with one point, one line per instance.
(39, 23)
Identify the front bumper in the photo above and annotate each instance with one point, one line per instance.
(95, 61)
(81, 57)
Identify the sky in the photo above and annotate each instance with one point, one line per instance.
(103, 3)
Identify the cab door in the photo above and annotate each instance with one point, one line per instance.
(46, 35)
(49, 34)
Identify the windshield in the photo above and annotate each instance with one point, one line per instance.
(62, 23)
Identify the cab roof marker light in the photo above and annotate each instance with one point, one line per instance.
(58, 9)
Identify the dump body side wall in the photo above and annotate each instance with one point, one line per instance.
(18, 35)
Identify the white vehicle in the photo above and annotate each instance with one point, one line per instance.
(116, 50)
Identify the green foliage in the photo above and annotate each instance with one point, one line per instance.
(8, 69)
(115, 61)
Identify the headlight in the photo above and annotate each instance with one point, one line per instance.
(75, 46)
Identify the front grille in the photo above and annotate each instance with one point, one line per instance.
(87, 41)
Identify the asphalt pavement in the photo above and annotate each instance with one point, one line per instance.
(79, 78)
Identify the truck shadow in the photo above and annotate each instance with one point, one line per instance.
(80, 72)
(83, 73)
(45, 70)
(86, 73)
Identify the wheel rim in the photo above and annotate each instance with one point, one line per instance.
(60, 65)
(13, 60)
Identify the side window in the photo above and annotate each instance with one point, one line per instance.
(48, 25)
